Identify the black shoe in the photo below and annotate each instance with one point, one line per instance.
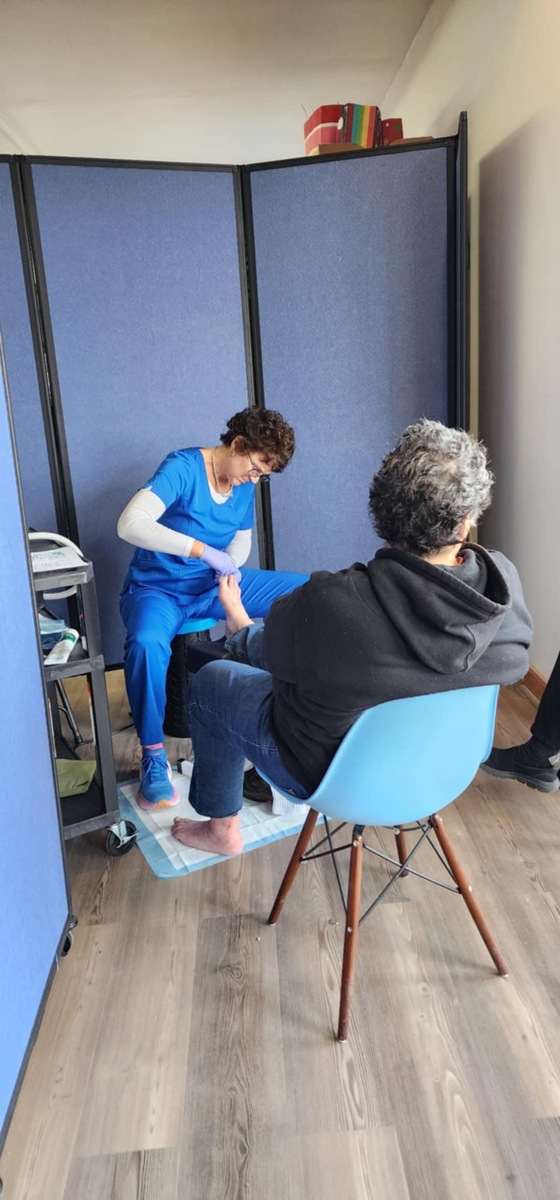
(255, 788)
(515, 763)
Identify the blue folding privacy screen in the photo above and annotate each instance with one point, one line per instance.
(144, 292)
(352, 275)
(22, 374)
(34, 907)
(170, 297)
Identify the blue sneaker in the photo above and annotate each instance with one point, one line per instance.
(156, 788)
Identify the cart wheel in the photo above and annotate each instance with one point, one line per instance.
(121, 838)
(68, 943)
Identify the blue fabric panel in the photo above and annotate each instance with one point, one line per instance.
(24, 390)
(144, 290)
(33, 899)
(352, 286)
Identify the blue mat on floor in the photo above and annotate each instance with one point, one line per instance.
(168, 858)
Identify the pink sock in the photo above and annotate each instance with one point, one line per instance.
(156, 746)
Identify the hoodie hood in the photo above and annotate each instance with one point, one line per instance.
(448, 616)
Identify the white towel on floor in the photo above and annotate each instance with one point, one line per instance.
(281, 807)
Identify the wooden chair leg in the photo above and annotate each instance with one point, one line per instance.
(351, 933)
(293, 865)
(466, 891)
(400, 839)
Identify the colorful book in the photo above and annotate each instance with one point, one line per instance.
(361, 125)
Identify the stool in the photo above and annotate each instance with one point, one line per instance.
(176, 721)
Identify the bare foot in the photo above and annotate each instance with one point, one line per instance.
(230, 596)
(220, 835)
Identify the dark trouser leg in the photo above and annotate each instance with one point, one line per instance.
(536, 761)
(546, 726)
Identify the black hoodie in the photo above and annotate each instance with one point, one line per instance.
(399, 626)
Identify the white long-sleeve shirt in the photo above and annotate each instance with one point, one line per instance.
(139, 524)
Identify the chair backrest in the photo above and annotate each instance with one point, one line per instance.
(406, 759)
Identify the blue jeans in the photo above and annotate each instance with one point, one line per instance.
(152, 619)
(229, 714)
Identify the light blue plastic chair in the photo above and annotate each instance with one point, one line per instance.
(398, 765)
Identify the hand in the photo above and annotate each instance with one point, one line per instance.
(236, 574)
(220, 562)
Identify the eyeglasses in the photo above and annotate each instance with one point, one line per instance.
(255, 473)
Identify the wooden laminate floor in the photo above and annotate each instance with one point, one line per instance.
(187, 1049)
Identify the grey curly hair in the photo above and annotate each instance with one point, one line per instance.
(427, 485)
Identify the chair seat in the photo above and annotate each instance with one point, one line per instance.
(407, 758)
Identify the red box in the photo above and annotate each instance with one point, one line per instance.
(391, 130)
(322, 126)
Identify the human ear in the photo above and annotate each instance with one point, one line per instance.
(464, 529)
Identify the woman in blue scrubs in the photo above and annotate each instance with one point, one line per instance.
(191, 524)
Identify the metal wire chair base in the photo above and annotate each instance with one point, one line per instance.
(403, 868)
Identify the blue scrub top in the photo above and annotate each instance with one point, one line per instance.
(182, 484)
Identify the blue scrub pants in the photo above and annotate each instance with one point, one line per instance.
(229, 715)
(152, 619)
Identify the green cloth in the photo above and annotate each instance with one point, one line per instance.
(74, 775)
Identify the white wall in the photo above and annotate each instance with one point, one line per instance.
(500, 60)
(222, 81)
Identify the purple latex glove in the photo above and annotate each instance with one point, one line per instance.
(236, 574)
(220, 562)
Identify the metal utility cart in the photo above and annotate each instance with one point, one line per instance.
(98, 806)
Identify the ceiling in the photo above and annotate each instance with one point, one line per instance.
(215, 81)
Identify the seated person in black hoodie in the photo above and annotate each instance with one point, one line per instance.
(429, 613)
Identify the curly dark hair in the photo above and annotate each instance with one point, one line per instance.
(263, 431)
(427, 485)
